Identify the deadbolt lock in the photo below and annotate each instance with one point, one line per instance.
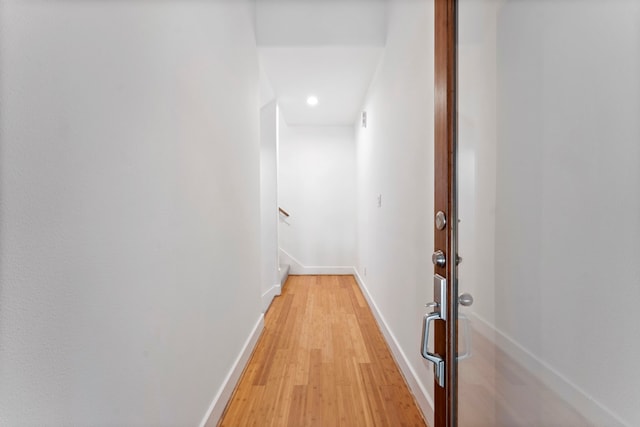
(441, 220)
(439, 259)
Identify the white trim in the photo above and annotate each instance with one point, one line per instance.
(268, 296)
(329, 271)
(214, 413)
(297, 268)
(286, 258)
(425, 402)
(283, 270)
(579, 399)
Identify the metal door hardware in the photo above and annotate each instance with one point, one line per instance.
(439, 313)
(438, 259)
(440, 295)
(465, 299)
(441, 220)
(438, 363)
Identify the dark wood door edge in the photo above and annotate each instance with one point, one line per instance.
(445, 170)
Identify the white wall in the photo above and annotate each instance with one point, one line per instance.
(270, 277)
(266, 90)
(395, 160)
(566, 205)
(317, 186)
(129, 222)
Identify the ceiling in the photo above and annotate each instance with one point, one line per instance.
(337, 76)
(326, 48)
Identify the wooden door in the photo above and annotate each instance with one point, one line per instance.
(445, 163)
(537, 166)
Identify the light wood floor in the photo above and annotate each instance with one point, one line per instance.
(321, 361)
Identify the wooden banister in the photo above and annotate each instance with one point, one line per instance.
(283, 212)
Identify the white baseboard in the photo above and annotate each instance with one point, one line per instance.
(424, 400)
(297, 268)
(268, 296)
(283, 269)
(214, 413)
(329, 271)
(579, 399)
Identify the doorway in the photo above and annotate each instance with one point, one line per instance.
(385, 193)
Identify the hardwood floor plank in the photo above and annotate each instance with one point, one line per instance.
(298, 405)
(375, 400)
(321, 361)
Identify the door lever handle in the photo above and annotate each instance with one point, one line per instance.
(432, 305)
(438, 363)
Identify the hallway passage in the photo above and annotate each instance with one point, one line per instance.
(321, 361)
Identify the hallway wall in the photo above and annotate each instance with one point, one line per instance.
(129, 216)
(317, 186)
(395, 160)
(270, 276)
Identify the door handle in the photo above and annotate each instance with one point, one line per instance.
(465, 299)
(438, 363)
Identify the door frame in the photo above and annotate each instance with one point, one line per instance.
(445, 126)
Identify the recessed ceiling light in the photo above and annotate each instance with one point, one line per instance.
(312, 100)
